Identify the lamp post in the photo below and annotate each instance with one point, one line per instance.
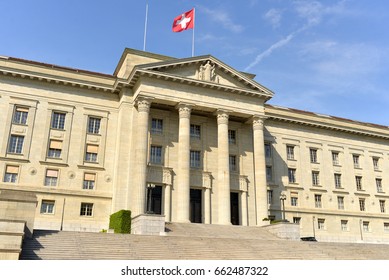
(150, 188)
(283, 198)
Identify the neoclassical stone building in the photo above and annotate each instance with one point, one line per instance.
(191, 139)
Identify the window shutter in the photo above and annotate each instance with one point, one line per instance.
(92, 149)
(55, 144)
(89, 177)
(51, 173)
(12, 169)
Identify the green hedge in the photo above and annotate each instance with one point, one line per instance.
(120, 221)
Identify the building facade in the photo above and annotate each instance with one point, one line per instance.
(191, 139)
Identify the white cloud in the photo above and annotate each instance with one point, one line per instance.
(311, 11)
(223, 18)
(274, 16)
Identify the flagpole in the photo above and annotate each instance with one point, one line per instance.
(145, 33)
(193, 34)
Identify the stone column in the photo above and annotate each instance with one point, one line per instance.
(259, 170)
(207, 185)
(138, 193)
(183, 172)
(223, 174)
(243, 187)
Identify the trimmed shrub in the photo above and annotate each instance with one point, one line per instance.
(120, 221)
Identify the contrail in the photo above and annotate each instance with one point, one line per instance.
(275, 46)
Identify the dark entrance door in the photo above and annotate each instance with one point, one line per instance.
(234, 198)
(195, 206)
(154, 200)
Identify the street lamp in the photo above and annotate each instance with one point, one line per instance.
(150, 188)
(283, 198)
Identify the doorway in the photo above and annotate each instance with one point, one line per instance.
(154, 200)
(196, 206)
(234, 200)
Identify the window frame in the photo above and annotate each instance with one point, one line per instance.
(195, 131)
(290, 155)
(20, 115)
(58, 120)
(15, 144)
(156, 126)
(11, 177)
(232, 136)
(195, 159)
(156, 154)
(313, 156)
(318, 201)
(94, 125)
(292, 175)
(47, 210)
(86, 209)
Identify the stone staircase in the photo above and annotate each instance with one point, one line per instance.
(190, 242)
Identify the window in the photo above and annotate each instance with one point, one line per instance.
(269, 197)
(366, 226)
(11, 174)
(156, 154)
(318, 200)
(269, 173)
(376, 163)
(89, 181)
(321, 224)
(86, 209)
(335, 158)
(233, 165)
(268, 151)
(362, 204)
(296, 220)
(47, 207)
(313, 155)
(378, 183)
(290, 152)
(58, 120)
(195, 131)
(294, 199)
(91, 153)
(232, 136)
(195, 159)
(94, 125)
(340, 202)
(156, 126)
(51, 178)
(356, 161)
(344, 225)
(386, 227)
(292, 175)
(315, 178)
(20, 115)
(338, 180)
(55, 149)
(15, 145)
(358, 182)
(382, 206)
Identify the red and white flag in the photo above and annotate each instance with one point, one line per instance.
(184, 21)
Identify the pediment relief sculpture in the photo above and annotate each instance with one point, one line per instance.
(207, 72)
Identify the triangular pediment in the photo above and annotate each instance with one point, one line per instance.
(206, 70)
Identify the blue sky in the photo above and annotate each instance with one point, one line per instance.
(329, 57)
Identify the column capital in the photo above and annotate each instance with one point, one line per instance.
(222, 116)
(143, 104)
(258, 122)
(184, 110)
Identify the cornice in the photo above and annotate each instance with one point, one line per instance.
(310, 119)
(136, 74)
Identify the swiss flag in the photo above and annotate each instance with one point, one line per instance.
(184, 21)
